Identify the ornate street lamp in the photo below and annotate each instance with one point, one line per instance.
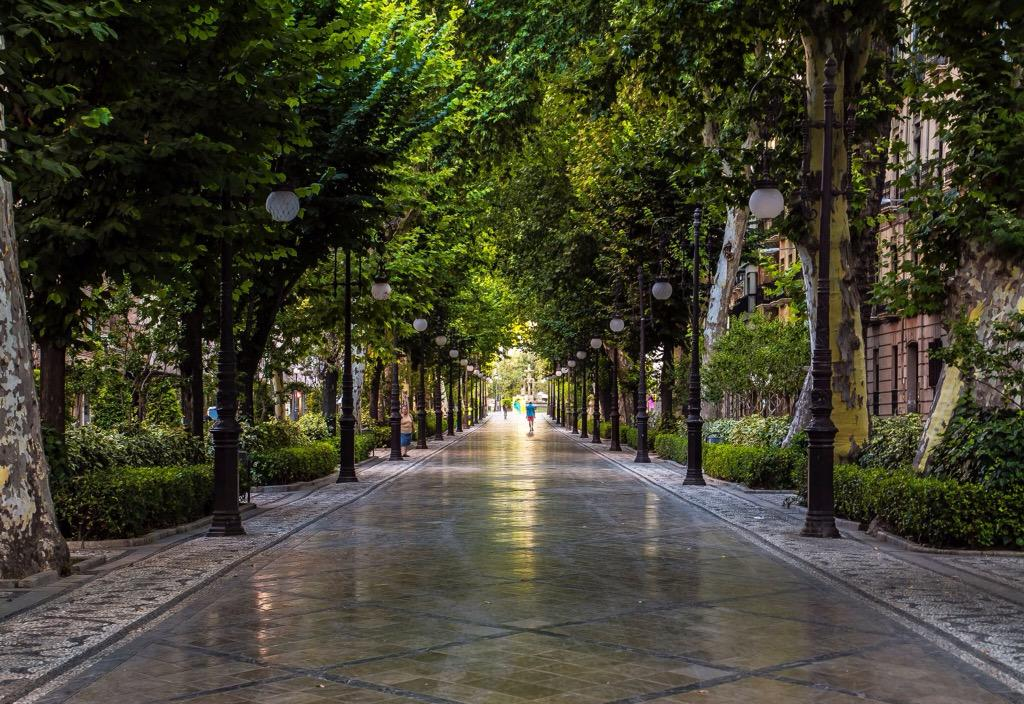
(440, 341)
(582, 356)
(396, 416)
(462, 392)
(420, 325)
(616, 325)
(821, 432)
(641, 414)
(347, 422)
(595, 344)
(694, 423)
(453, 354)
(283, 205)
(381, 287)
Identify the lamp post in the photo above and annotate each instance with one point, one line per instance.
(440, 341)
(453, 354)
(596, 344)
(461, 392)
(470, 394)
(396, 418)
(582, 356)
(641, 413)
(347, 424)
(766, 202)
(694, 423)
(616, 325)
(574, 413)
(420, 325)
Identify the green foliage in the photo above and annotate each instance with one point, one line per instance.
(757, 467)
(759, 431)
(893, 442)
(299, 463)
(270, 435)
(997, 363)
(90, 449)
(983, 446)
(720, 428)
(759, 357)
(313, 426)
(127, 502)
(935, 511)
(365, 444)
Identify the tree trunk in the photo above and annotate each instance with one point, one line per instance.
(193, 405)
(990, 286)
(30, 541)
(667, 385)
(329, 397)
(52, 373)
(378, 371)
(849, 368)
(280, 409)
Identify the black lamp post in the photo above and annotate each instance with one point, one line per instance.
(396, 417)
(575, 413)
(766, 202)
(420, 325)
(440, 341)
(694, 423)
(453, 354)
(582, 356)
(641, 411)
(614, 441)
(596, 344)
(347, 424)
(461, 393)
(227, 520)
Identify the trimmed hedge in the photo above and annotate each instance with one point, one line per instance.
(929, 510)
(756, 467)
(88, 448)
(299, 463)
(126, 502)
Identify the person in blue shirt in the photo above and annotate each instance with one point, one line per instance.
(531, 413)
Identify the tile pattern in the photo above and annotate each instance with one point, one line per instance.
(40, 642)
(520, 570)
(984, 628)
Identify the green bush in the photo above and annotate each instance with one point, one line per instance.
(671, 447)
(381, 434)
(756, 467)
(298, 463)
(982, 445)
(759, 431)
(270, 435)
(313, 426)
(364, 445)
(126, 502)
(721, 427)
(89, 448)
(931, 510)
(893, 442)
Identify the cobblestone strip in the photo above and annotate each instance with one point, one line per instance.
(980, 628)
(41, 643)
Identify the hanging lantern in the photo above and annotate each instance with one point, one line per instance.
(440, 340)
(283, 205)
(596, 342)
(661, 289)
(616, 324)
(420, 324)
(766, 202)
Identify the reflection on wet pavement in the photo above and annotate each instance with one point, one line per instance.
(513, 569)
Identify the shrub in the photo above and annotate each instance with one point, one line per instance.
(382, 434)
(756, 467)
(313, 426)
(126, 502)
(721, 427)
(298, 463)
(982, 445)
(671, 446)
(759, 431)
(931, 510)
(270, 435)
(89, 448)
(365, 443)
(893, 442)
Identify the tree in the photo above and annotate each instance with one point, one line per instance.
(30, 540)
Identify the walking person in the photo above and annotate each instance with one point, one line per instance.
(506, 406)
(531, 413)
(406, 431)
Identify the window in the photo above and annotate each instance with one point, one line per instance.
(934, 365)
(912, 394)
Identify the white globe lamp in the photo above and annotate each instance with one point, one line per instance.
(766, 202)
(283, 205)
(420, 324)
(661, 289)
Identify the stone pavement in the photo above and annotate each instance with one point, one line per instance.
(505, 569)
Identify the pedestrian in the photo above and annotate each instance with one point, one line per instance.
(531, 412)
(506, 406)
(517, 406)
(406, 431)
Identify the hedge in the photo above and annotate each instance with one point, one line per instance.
(756, 467)
(88, 448)
(299, 463)
(930, 510)
(126, 502)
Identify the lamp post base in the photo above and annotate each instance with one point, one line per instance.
(347, 479)
(225, 523)
(820, 526)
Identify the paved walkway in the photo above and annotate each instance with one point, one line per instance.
(510, 569)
